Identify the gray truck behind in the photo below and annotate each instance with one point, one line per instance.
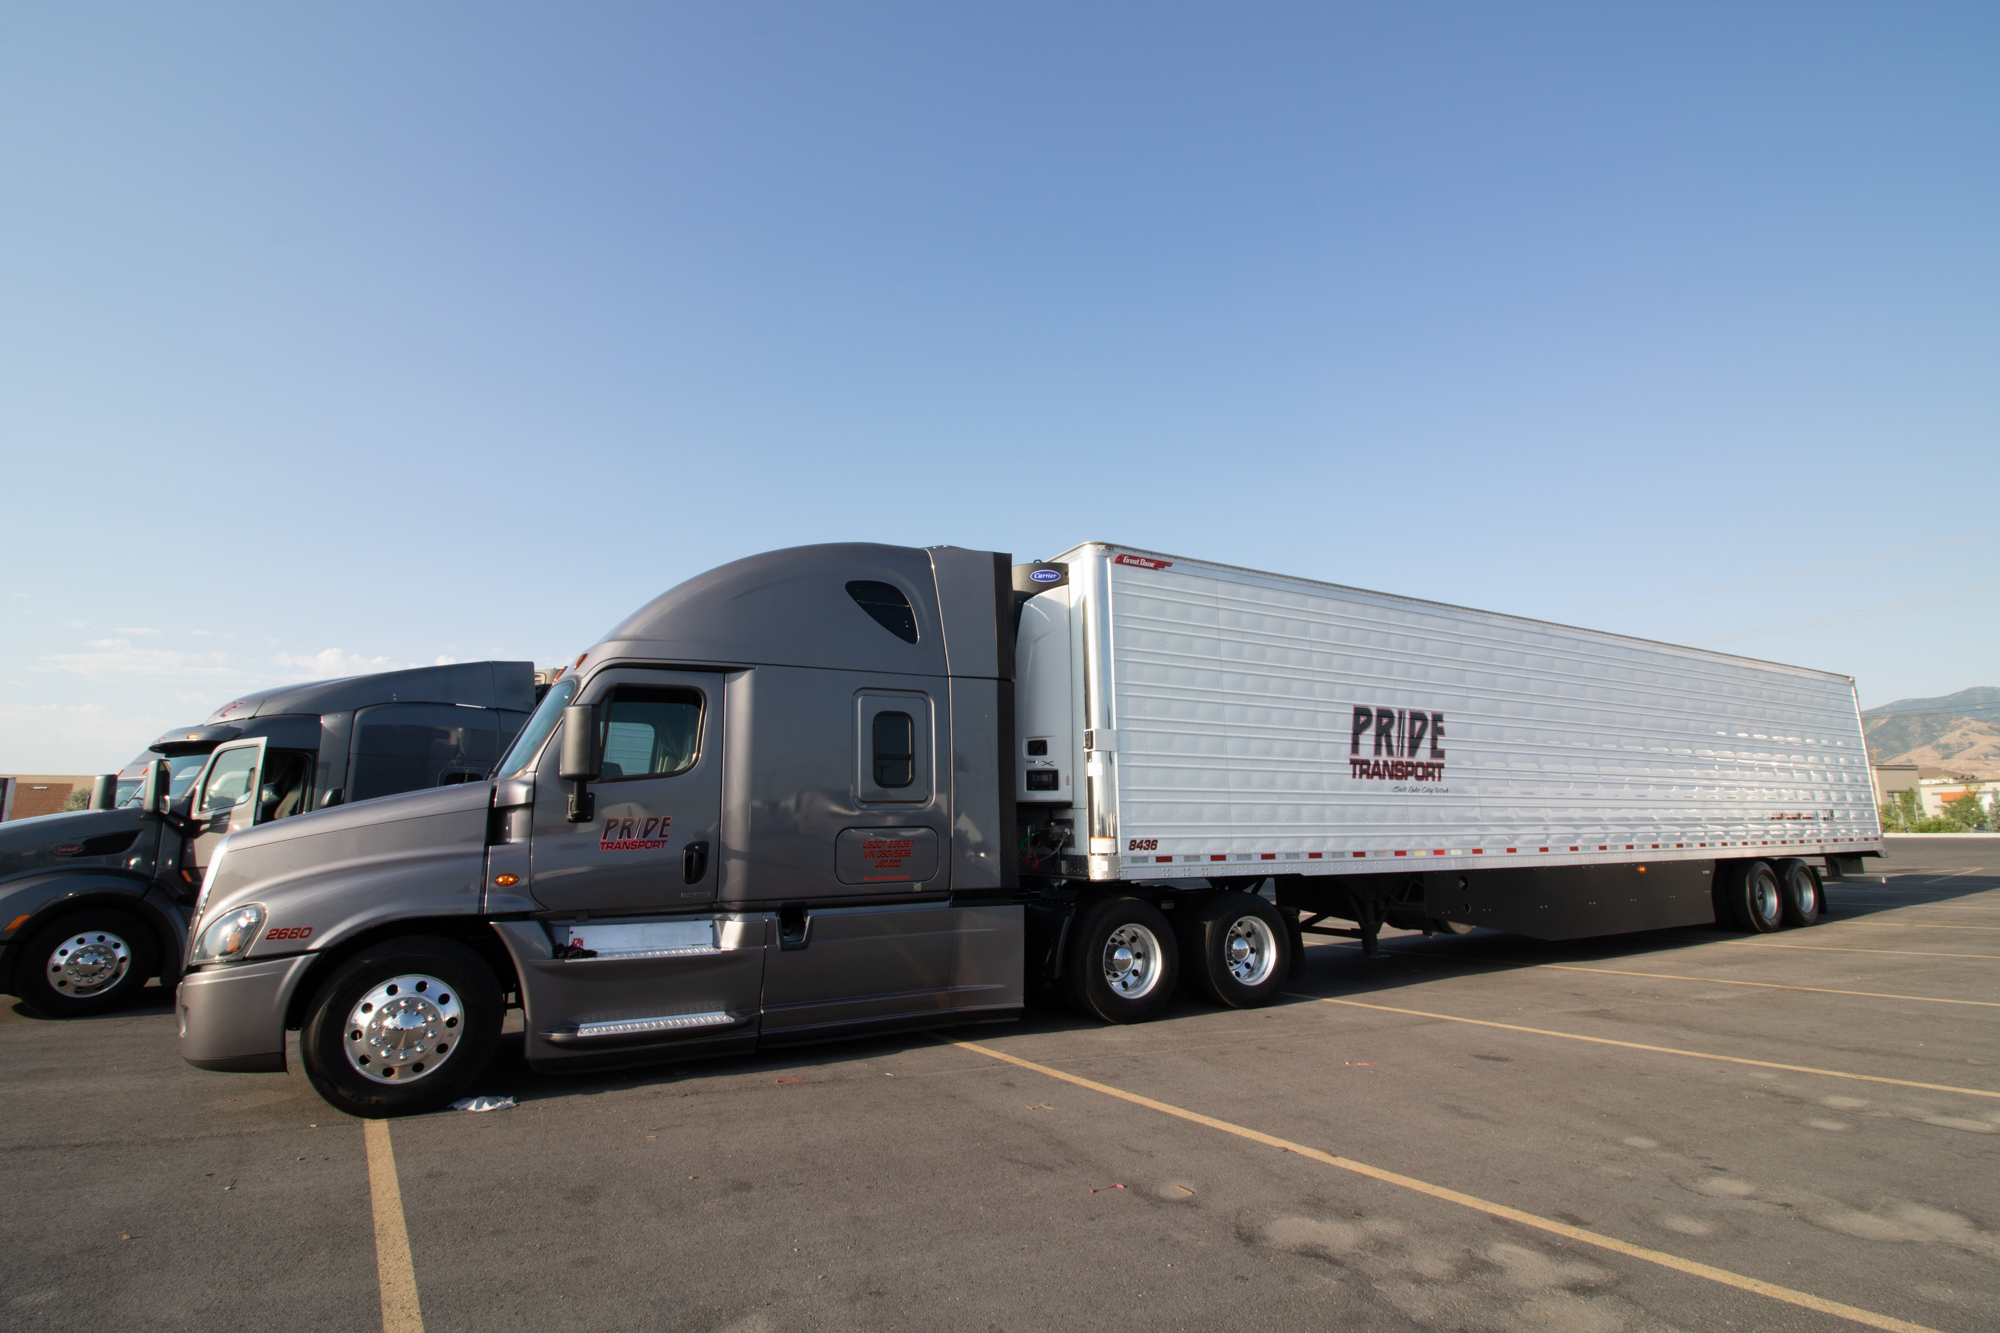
(96, 902)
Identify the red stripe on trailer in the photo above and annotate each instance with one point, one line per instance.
(1437, 852)
(1402, 853)
(1314, 856)
(1162, 860)
(1219, 858)
(1479, 851)
(1270, 856)
(1510, 849)
(1361, 853)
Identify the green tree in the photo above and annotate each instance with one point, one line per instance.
(1902, 812)
(1967, 812)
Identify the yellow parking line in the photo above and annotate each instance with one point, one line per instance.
(395, 1272)
(1911, 925)
(1804, 1300)
(1660, 1050)
(1767, 985)
(1670, 976)
(1828, 948)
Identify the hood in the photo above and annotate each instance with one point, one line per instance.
(73, 838)
(330, 872)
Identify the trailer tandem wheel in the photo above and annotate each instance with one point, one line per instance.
(1753, 898)
(1799, 893)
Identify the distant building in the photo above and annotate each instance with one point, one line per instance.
(1936, 793)
(1893, 778)
(25, 795)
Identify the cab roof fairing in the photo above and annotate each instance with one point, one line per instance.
(789, 608)
(509, 685)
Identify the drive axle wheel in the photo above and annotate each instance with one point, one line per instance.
(90, 962)
(402, 1027)
(1752, 899)
(1237, 951)
(1122, 962)
(1799, 893)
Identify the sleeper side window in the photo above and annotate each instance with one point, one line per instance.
(895, 750)
(892, 746)
(650, 731)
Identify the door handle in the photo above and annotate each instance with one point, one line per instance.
(694, 863)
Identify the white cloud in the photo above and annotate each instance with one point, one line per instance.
(337, 662)
(444, 661)
(74, 738)
(117, 657)
(129, 629)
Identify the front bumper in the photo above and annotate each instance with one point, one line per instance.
(233, 1018)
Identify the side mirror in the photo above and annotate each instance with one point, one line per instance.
(578, 762)
(158, 786)
(104, 792)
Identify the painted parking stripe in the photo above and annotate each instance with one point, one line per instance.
(1829, 948)
(1659, 1050)
(1670, 976)
(1802, 1299)
(1767, 985)
(395, 1272)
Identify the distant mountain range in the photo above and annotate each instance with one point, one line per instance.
(1959, 732)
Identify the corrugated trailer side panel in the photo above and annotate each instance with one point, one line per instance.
(1277, 725)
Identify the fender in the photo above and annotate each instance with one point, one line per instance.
(43, 897)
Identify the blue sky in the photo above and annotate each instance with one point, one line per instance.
(381, 334)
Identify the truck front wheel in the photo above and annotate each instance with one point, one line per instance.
(90, 962)
(402, 1027)
(1122, 963)
(1237, 951)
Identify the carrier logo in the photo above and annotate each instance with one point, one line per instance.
(635, 835)
(1399, 734)
(1045, 575)
(1140, 561)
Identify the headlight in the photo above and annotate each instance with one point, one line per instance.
(230, 938)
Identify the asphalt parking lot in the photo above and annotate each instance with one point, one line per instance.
(1685, 1130)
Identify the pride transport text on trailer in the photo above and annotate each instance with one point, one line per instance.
(97, 902)
(854, 788)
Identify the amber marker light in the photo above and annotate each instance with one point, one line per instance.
(19, 921)
(1642, 870)
(507, 881)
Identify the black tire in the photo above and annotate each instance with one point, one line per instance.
(88, 962)
(1799, 894)
(1128, 988)
(446, 987)
(1752, 899)
(1236, 950)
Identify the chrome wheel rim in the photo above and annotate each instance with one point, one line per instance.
(1764, 898)
(1131, 961)
(1250, 950)
(403, 1029)
(89, 963)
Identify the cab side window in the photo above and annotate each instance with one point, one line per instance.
(892, 747)
(648, 731)
(229, 782)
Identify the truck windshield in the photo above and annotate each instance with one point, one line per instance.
(529, 742)
(181, 770)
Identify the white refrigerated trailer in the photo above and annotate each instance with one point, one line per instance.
(859, 788)
(1198, 720)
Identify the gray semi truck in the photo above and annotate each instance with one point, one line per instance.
(97, 902)
(848, 789)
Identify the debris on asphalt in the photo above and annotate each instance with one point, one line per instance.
(483, 1104)
(1101, 1188)
(1360, 1064)
(788, 1080)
